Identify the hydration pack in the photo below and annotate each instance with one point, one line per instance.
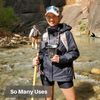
(62, 37)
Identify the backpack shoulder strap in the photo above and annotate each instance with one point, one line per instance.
(62, 37)
(31, 32)
(45, 37)
(64, 40)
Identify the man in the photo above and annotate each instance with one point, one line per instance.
(57, 61)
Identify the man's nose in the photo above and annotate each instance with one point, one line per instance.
(51, 19)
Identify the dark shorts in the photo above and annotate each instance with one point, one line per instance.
(64, 84)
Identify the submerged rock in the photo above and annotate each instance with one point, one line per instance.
(95, 71)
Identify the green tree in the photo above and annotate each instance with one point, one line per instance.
(83, 27)
(1, 3)
(7, 17)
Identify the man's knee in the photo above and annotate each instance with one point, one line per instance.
(69, 93)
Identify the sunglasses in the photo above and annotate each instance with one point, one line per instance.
(52, 7)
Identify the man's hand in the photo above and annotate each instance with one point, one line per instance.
(36, 61)
(55, 58)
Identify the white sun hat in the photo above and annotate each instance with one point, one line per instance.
(52, 9)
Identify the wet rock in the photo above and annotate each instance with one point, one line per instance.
(10, 99)
(85, 91)
(14, 41)
(96, 88)
(93, 98)
(86, 78)
(24, 42)
(19, 81)
(98, 97)
(25, 38)
(17, 35)
(3, 62)
(85, 65)
(95, 71)
(8, 68)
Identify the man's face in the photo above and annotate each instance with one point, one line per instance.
(52, 19)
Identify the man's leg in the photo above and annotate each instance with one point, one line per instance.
(33, 42)
(68, 90)
(51, 92)
(50, 86)
(69, 93)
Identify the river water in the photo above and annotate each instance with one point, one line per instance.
(89, 47)
(16, 69)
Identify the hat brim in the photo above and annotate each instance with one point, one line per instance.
(53, 12)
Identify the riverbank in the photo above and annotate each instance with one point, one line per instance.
(16, 69)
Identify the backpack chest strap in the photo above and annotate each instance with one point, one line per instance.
(62, 37)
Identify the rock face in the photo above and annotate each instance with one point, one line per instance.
(58, 3)
(32, 12)
(90, 10)
(70, 1)
(95, 71)
(94, 17)
(29, 12)
(71, 14)
(81, 10)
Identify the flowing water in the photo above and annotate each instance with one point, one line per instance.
(16, 69)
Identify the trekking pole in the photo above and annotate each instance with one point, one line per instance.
(34, 77)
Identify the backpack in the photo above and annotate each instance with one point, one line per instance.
(34, 32)
(62, 37)
(64, 40)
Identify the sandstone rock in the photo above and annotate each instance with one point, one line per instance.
(69, 2)
(95, 71)
(71, 14)
(85, 4)
(26, 38)
(98, 97)
(10, 99)
(13, 41)
(17, 35)
(24, 42)
(94, 17)
(93, 98)
(7, 68)
(96, 88)
(31, 12)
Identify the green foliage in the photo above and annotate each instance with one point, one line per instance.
(7, 18)
(83, 26)
(1, 3)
